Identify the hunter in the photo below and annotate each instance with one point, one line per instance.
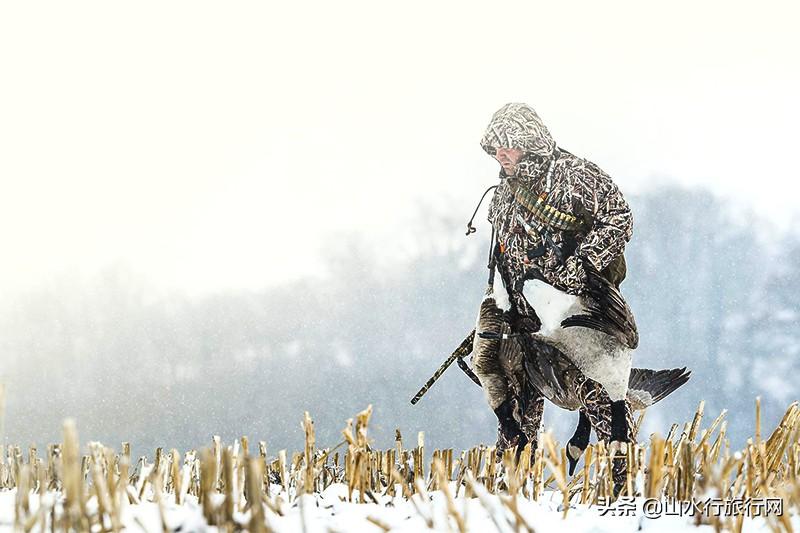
(578, 214)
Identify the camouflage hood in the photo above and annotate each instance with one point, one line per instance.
(518, 126)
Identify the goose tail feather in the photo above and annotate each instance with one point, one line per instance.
(650, 386)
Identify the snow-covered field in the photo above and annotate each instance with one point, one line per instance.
(687, 481)
(330, 512)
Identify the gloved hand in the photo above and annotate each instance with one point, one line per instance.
(571, 277)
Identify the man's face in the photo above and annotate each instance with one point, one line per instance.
(508, 159)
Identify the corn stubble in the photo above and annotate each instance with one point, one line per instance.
(240, 490)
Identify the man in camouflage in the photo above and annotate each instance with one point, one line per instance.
(552, 211)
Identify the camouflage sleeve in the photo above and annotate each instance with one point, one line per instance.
(613, 221)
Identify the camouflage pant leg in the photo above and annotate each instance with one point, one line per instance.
(597, 406)
(532, 417)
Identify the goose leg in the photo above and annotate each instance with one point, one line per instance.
(577, 444)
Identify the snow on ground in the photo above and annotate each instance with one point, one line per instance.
(328, 512)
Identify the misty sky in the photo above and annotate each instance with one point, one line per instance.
(224, 145)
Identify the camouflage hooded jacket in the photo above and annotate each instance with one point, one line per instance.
(578, 188)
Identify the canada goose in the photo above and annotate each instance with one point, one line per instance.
(595, 330)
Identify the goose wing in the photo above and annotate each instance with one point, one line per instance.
(550, 371)
(605, 310)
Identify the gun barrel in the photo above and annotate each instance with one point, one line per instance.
(463, 350)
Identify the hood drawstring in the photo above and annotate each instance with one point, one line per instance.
(470, 228)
